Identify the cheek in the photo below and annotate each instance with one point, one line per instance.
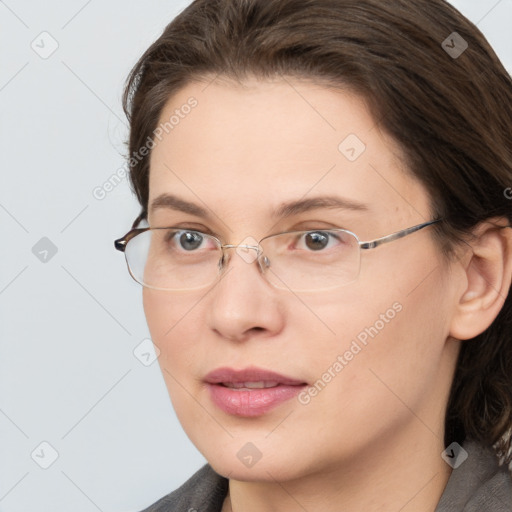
(387, 343)
(160, 315)
(171, 322)
(174, 325)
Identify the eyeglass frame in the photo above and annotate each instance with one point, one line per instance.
(121, 243)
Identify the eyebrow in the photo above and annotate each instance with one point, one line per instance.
(313, 203)
(175, 203)
(285, 210)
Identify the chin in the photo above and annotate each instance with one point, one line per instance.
(260, 472)
(258, 460)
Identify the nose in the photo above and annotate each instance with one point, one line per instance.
(243, 304)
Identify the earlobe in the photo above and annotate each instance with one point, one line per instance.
(488, 275)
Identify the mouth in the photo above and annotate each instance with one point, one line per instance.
(250, 385)
(250, 392)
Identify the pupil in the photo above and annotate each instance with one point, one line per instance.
(190, 241)
(316, 241)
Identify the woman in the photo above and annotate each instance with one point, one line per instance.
(328, 267)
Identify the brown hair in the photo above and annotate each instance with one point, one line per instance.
(451, 115)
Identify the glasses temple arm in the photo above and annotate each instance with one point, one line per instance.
(394, 236)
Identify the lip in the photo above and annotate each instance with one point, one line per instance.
(250, 402)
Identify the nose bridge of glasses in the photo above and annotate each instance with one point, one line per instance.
(243, 250)
(257, 247)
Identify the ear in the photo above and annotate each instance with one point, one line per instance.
(488, 273)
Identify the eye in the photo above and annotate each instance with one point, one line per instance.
(318, 240)
(189, 241)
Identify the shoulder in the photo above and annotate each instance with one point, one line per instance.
(204, 491)
(478, 484)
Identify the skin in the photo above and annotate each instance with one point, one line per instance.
(372, 438)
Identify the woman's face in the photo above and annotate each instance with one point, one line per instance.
(377, 345)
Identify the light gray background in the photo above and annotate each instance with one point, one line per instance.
(69, 326)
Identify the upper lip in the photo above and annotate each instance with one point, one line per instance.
(251, 374)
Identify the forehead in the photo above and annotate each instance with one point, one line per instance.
(252, 146)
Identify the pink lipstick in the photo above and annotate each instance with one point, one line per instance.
(251, 391)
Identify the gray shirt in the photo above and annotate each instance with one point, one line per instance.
(477, 485)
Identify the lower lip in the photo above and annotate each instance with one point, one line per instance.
(253, 402)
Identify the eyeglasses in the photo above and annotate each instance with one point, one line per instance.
(176, 259)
